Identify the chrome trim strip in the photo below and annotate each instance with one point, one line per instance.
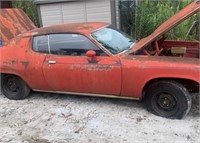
(49, 45)
(99, 45)
(100, 28)
(88, 94)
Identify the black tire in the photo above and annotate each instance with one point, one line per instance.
(168, 99)
(13, 87)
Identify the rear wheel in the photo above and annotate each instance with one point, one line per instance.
(168, 99)
(13, 87)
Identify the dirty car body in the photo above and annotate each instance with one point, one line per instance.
(98, 60)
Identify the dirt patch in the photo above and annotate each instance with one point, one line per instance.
(54, 118)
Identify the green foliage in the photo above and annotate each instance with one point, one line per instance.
(29, 8)
(151, 13)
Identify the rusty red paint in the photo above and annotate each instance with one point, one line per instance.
(119, 75)
(84, 28)
(93, 67)
(13, 22)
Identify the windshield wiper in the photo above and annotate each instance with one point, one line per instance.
(114, 51)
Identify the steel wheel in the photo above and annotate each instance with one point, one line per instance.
(165, 103)
(168, 99)
(13, 87)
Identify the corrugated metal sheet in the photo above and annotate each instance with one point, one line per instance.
(76, 11)
(13, 22)
(98, 11)
(51, 14)
(73, 12)
(117, 13)
(51, 1)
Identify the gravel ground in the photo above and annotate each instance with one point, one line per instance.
(54, 118)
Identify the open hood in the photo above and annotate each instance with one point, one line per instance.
(185, 13)
(13, 22)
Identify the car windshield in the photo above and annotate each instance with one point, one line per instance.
(113, 39)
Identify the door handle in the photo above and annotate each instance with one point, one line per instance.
(52, 62)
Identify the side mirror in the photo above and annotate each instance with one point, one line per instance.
(91, 53)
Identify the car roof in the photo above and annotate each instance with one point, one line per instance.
(83, 28)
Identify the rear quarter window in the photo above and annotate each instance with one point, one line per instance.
(40, 44)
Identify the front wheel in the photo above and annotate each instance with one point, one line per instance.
(13, 87)
(168, 99)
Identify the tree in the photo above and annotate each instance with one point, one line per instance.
(29, 8)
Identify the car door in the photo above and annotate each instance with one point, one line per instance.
(68, 69)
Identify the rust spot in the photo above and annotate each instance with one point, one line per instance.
(92, 61)
(6, 68)
(85, 28)
(7, 33)
(159, 59)
(92, 67)
(118, 63)
(25, 63)
(10, 62)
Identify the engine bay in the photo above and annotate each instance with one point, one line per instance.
(164, 47)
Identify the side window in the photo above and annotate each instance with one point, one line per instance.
(65, 44)
(40, 44)
(72, 45)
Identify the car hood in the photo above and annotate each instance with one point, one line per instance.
(12, 23)
(165, 61)
(185, 13)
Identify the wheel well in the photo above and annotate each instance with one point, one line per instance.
(192, 86)
(14, 75)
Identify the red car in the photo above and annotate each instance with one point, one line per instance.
(96, 59)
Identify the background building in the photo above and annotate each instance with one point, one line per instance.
(68, 11)
(6, 4)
